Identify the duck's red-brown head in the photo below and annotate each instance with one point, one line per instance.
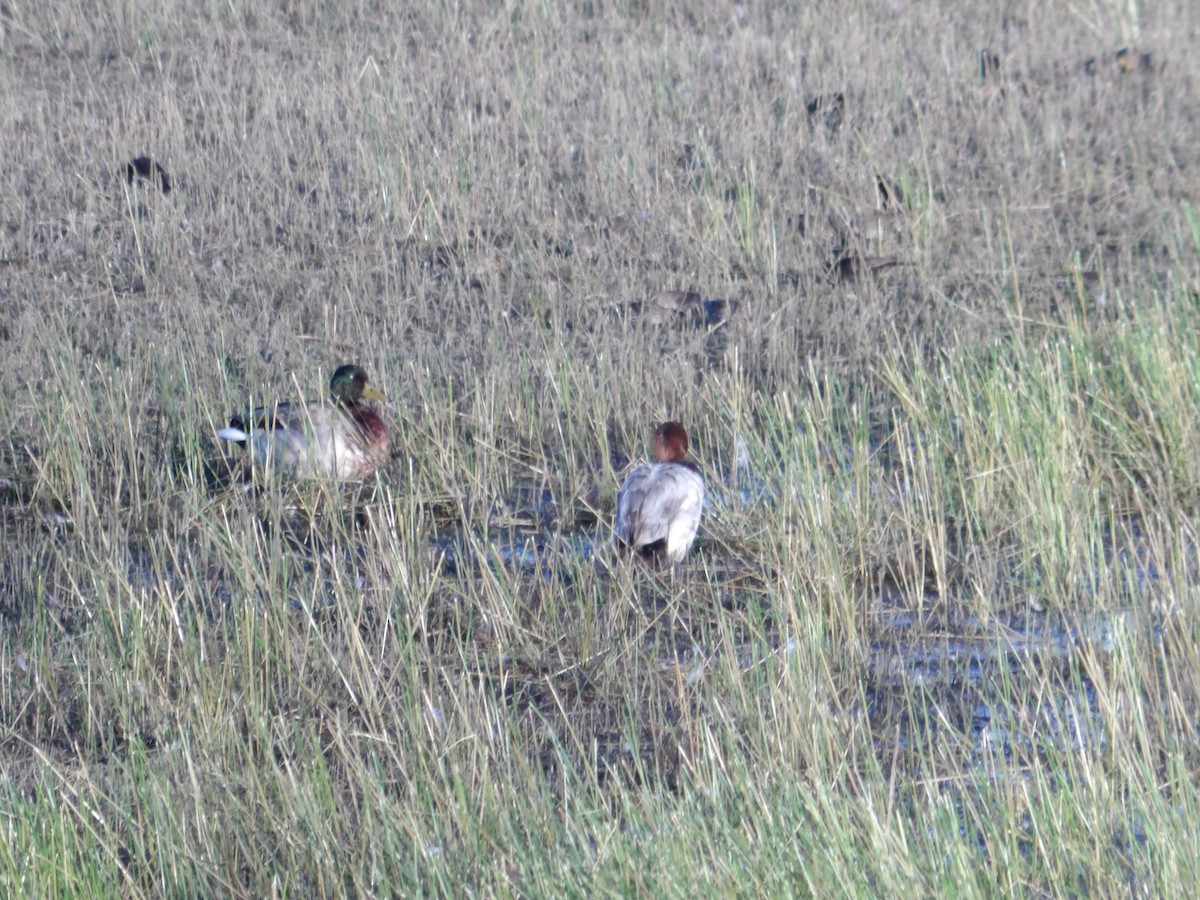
(670, 442)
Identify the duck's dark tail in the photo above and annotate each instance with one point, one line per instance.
(652, 554)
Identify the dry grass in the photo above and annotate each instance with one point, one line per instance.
(939, 632)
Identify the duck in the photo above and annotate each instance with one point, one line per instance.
(658, 509)
(345, 440)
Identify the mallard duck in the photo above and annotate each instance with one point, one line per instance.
(345, 440)
(658, 510)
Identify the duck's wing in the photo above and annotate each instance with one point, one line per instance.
(660, 504)
(265, 418)
(630, 502)
(680, 508)
(297, 436)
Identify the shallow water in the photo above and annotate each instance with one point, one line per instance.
(997, 695)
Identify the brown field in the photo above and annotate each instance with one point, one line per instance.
(923, 284)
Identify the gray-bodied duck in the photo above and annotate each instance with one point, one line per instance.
(344, 440)
(658, 509)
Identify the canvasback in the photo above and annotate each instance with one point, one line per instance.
(658, 509)
(345, 440)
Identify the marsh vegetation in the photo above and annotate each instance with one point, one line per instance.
(922, 284)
